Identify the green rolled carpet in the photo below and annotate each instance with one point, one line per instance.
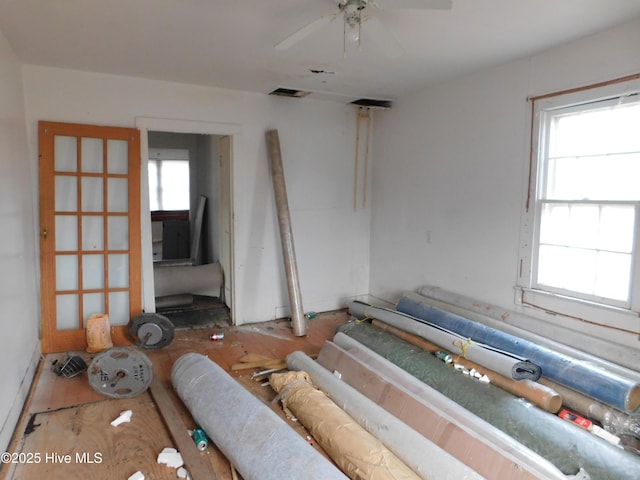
(568, 447)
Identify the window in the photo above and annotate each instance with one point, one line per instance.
(168, 179)
(580, 238)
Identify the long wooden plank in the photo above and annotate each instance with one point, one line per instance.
(198, 467)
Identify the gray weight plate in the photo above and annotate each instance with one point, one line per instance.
(151, 330)
(120, 372)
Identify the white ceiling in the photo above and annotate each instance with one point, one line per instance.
(229, 43)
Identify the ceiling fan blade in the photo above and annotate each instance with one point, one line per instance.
(382, 37)
(305, 31)
(415, 4)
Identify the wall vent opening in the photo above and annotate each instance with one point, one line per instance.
(289, 92)
(372, 103)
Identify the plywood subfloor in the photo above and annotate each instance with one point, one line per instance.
(66, 416)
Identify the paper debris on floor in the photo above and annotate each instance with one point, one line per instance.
(170, 457)
(125, 417)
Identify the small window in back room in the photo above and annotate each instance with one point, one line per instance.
(585, 198)
(169, 179)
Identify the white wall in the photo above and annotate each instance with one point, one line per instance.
(450, 168)
(19, 345)
(317, 139)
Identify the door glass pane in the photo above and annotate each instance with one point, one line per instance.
(117, 156)
(118, 271)
(67, 310)
(92, 157)
(65, 154)
(92, 272)
(92, 304)
(92, 195)
(118, 233)
(118, 195)
(66, 272)
(66, 233)
(119, 308)
(92, 233)
(66, 194)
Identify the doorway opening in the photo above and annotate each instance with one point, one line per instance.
(188, 242)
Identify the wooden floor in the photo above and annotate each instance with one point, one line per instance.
(65, 416)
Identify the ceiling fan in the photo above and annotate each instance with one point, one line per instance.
(354, 16)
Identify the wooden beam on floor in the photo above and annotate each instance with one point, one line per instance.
(198, 467)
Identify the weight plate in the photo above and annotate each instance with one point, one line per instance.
(120, 372)
(151, 330)
(150, 333)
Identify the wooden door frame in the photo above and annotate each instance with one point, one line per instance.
(69, 340)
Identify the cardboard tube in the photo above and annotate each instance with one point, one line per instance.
(359, 454)
(298, 320)
(543, 396)
(420, 454)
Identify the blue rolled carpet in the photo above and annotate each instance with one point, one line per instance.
(607, 387)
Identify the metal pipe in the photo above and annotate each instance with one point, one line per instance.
(612, 389)
(298, 320)
(422, 455)
(244, 428)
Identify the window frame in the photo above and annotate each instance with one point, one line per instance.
(528, 290)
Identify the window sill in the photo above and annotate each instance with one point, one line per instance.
(597, 316)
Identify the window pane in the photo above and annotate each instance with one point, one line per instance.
(93, 304)
(174, 188)
(92, 272)
(119, 308)
(92, 156)
(67, 312)
(617, 224)
(117, 156)
(607, 130)
(66, 272)
(65, 154)
(567, 268)
(118, 233)
(92, 196)
(169, 183)
(612, 279)
(92, 233)
(118, 195)
(66, 233)
(118, 271)
(66, 194)
(574, 225)
(606, 177)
